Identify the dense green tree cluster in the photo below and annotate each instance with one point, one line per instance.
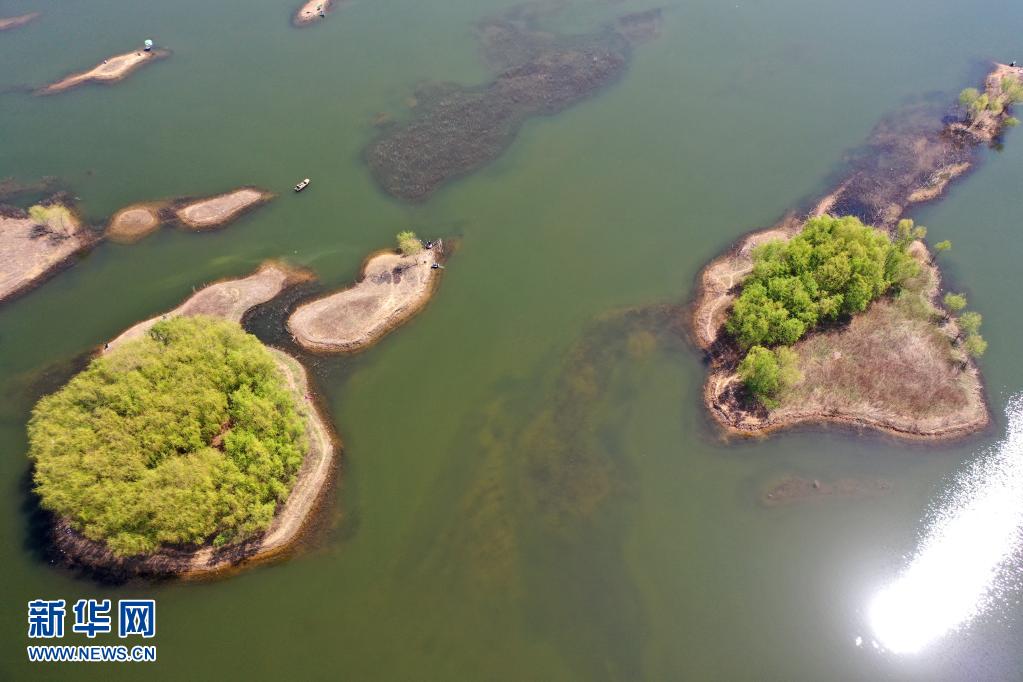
(768, 373)
(1008, 92)
(833, 267)
(186, 436)
(408, 243)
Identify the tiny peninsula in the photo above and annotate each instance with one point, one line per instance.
(227, 472)
(110, 70)
(137, 221)
(8, 23)
(838, 316)
(394, 286)
(37, 243)
(312, 11)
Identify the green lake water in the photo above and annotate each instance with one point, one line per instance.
(530, 488)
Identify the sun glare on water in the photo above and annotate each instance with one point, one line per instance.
(966, 555)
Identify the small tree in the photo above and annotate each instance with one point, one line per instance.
(970, 322)
(943, 246)
(768, 374)
(975, 345)
(408, 243)
(973, 101)
(954, 302)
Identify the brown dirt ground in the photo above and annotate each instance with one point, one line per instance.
(114, 69)
(229, 299)
(204, 214)
(392, 289)
(8, 23)
(32, 252)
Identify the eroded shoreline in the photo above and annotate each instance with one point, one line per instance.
(910, 166)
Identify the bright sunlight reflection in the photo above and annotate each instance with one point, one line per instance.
(965, 554)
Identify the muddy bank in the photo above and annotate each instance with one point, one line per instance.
(284, 531)
(882, 370)
(229, 299)
(391, 290)
(456, 130)
(795, 489)
(110, 70)
(311, 12)
(8, 23)
(38, 243)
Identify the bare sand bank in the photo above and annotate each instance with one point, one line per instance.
(134, 222)
(36, 244)
(907, 164)
(204, 214)
(111, 70)
(392, 289)
(229, 299)
(309, 12)
(7, 23)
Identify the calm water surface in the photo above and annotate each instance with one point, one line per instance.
(529, 488)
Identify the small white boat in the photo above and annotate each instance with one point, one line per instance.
(302, 185)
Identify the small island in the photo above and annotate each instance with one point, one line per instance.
(132, 223)
(205, 448)
(838, 317)
(8, 23)
(312, 11)
(37, 243)
(394, 286)
(110, 70)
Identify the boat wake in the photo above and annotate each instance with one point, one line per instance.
(968, 553)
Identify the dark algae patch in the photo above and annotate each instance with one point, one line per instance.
(458, 129)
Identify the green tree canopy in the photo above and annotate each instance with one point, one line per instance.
(408, 243)
(186, 436)
(833, 267)
(954, 302)
(768, 373)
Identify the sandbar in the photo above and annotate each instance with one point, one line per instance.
(203, 214)
(35, 247)
(309, 12)
(134, 222)
(793, 489)
(8, 23)
(392, 289)
(111, 70)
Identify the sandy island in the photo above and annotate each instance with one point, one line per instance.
(309, 13)
(231, 300)
(203, 214)
(37, 245)
(392, 289)
(920, 392)
(8, 23)
(134, 222)
(111, 70)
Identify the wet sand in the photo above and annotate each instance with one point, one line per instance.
(309, 13)
(392, 289)
(32, 250)
(111, 70)
(204, 214)
(795, 489)
(8, 23)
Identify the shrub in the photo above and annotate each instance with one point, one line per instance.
(954, 302)
(186, 436)
(969, 322)
(943, 246)
(767, 374)
(975, 345)
(408, 243)
(833, 267)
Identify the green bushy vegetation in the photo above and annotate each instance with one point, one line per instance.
(769, 373)
(186, 436)
(835, 267)
(408, 243)
(975, 102)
